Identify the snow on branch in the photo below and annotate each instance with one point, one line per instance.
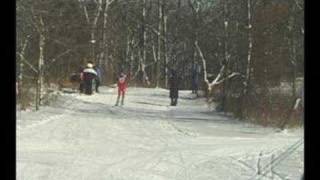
(218, 79)
(229, 77)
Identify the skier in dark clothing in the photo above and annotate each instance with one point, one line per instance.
(89, 74)
(195, 78)
(98, 78)
(174, 88)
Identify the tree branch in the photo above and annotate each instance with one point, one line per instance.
(154, 53)
(298, 5)
(57, 57)
(217, 80)
(229, 77)
(85, 11)
(25, 61)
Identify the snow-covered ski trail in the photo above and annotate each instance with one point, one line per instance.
(87, 137)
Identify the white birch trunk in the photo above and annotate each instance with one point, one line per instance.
(219, 78)
(131, 57)
(144, 32)
(127, 49)
(226, 52)
(21, 67)
(291, 43)
(94, 27)
(144, 52)
(40, 80)
(248, 70)
(104, 38)
(103, 60)
(159, 42)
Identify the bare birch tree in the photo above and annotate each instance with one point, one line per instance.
(219, 78)
(160, 6)
(92, 23)
(248, 71)
(21, 65)
(40, 79)
(104, 54)
(165, 51)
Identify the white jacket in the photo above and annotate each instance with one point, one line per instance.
(90, 70)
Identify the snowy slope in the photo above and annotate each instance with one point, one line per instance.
(86, 137)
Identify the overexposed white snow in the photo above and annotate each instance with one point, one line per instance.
(82, 137)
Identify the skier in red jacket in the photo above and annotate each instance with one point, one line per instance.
(122, 87)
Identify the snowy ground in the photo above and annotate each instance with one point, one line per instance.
(83, 137)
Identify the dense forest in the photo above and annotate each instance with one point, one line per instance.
(249, 54)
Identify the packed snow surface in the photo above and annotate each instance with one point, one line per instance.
(82, 137)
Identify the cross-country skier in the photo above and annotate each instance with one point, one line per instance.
(174, 88)
(195, 78)
(122, 87)
(89, 74)
(98, 77)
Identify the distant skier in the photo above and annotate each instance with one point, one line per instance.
(195, 78)
(122, 87)
(89, 74)
(98, 78)
(174, 88)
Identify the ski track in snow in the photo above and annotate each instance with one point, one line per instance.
(87, 137)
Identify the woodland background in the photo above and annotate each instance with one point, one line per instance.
(250, 53)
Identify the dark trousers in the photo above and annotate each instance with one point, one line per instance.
(97, 85)
(81, 87)
(174, 101)
(88, 87)
(174, 94)
(194, 87)
(122, 94)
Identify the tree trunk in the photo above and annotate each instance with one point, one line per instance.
(93, 30)
(159, 43)
(195, 43)
(40, 79)
(226, 54)
(131, 58)
(144, 52)
(293, 58)
(292, 45)
(103, 60)
(21, 68)
(165, 49)
(248, 71)
(127, 48)
(245, 92)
